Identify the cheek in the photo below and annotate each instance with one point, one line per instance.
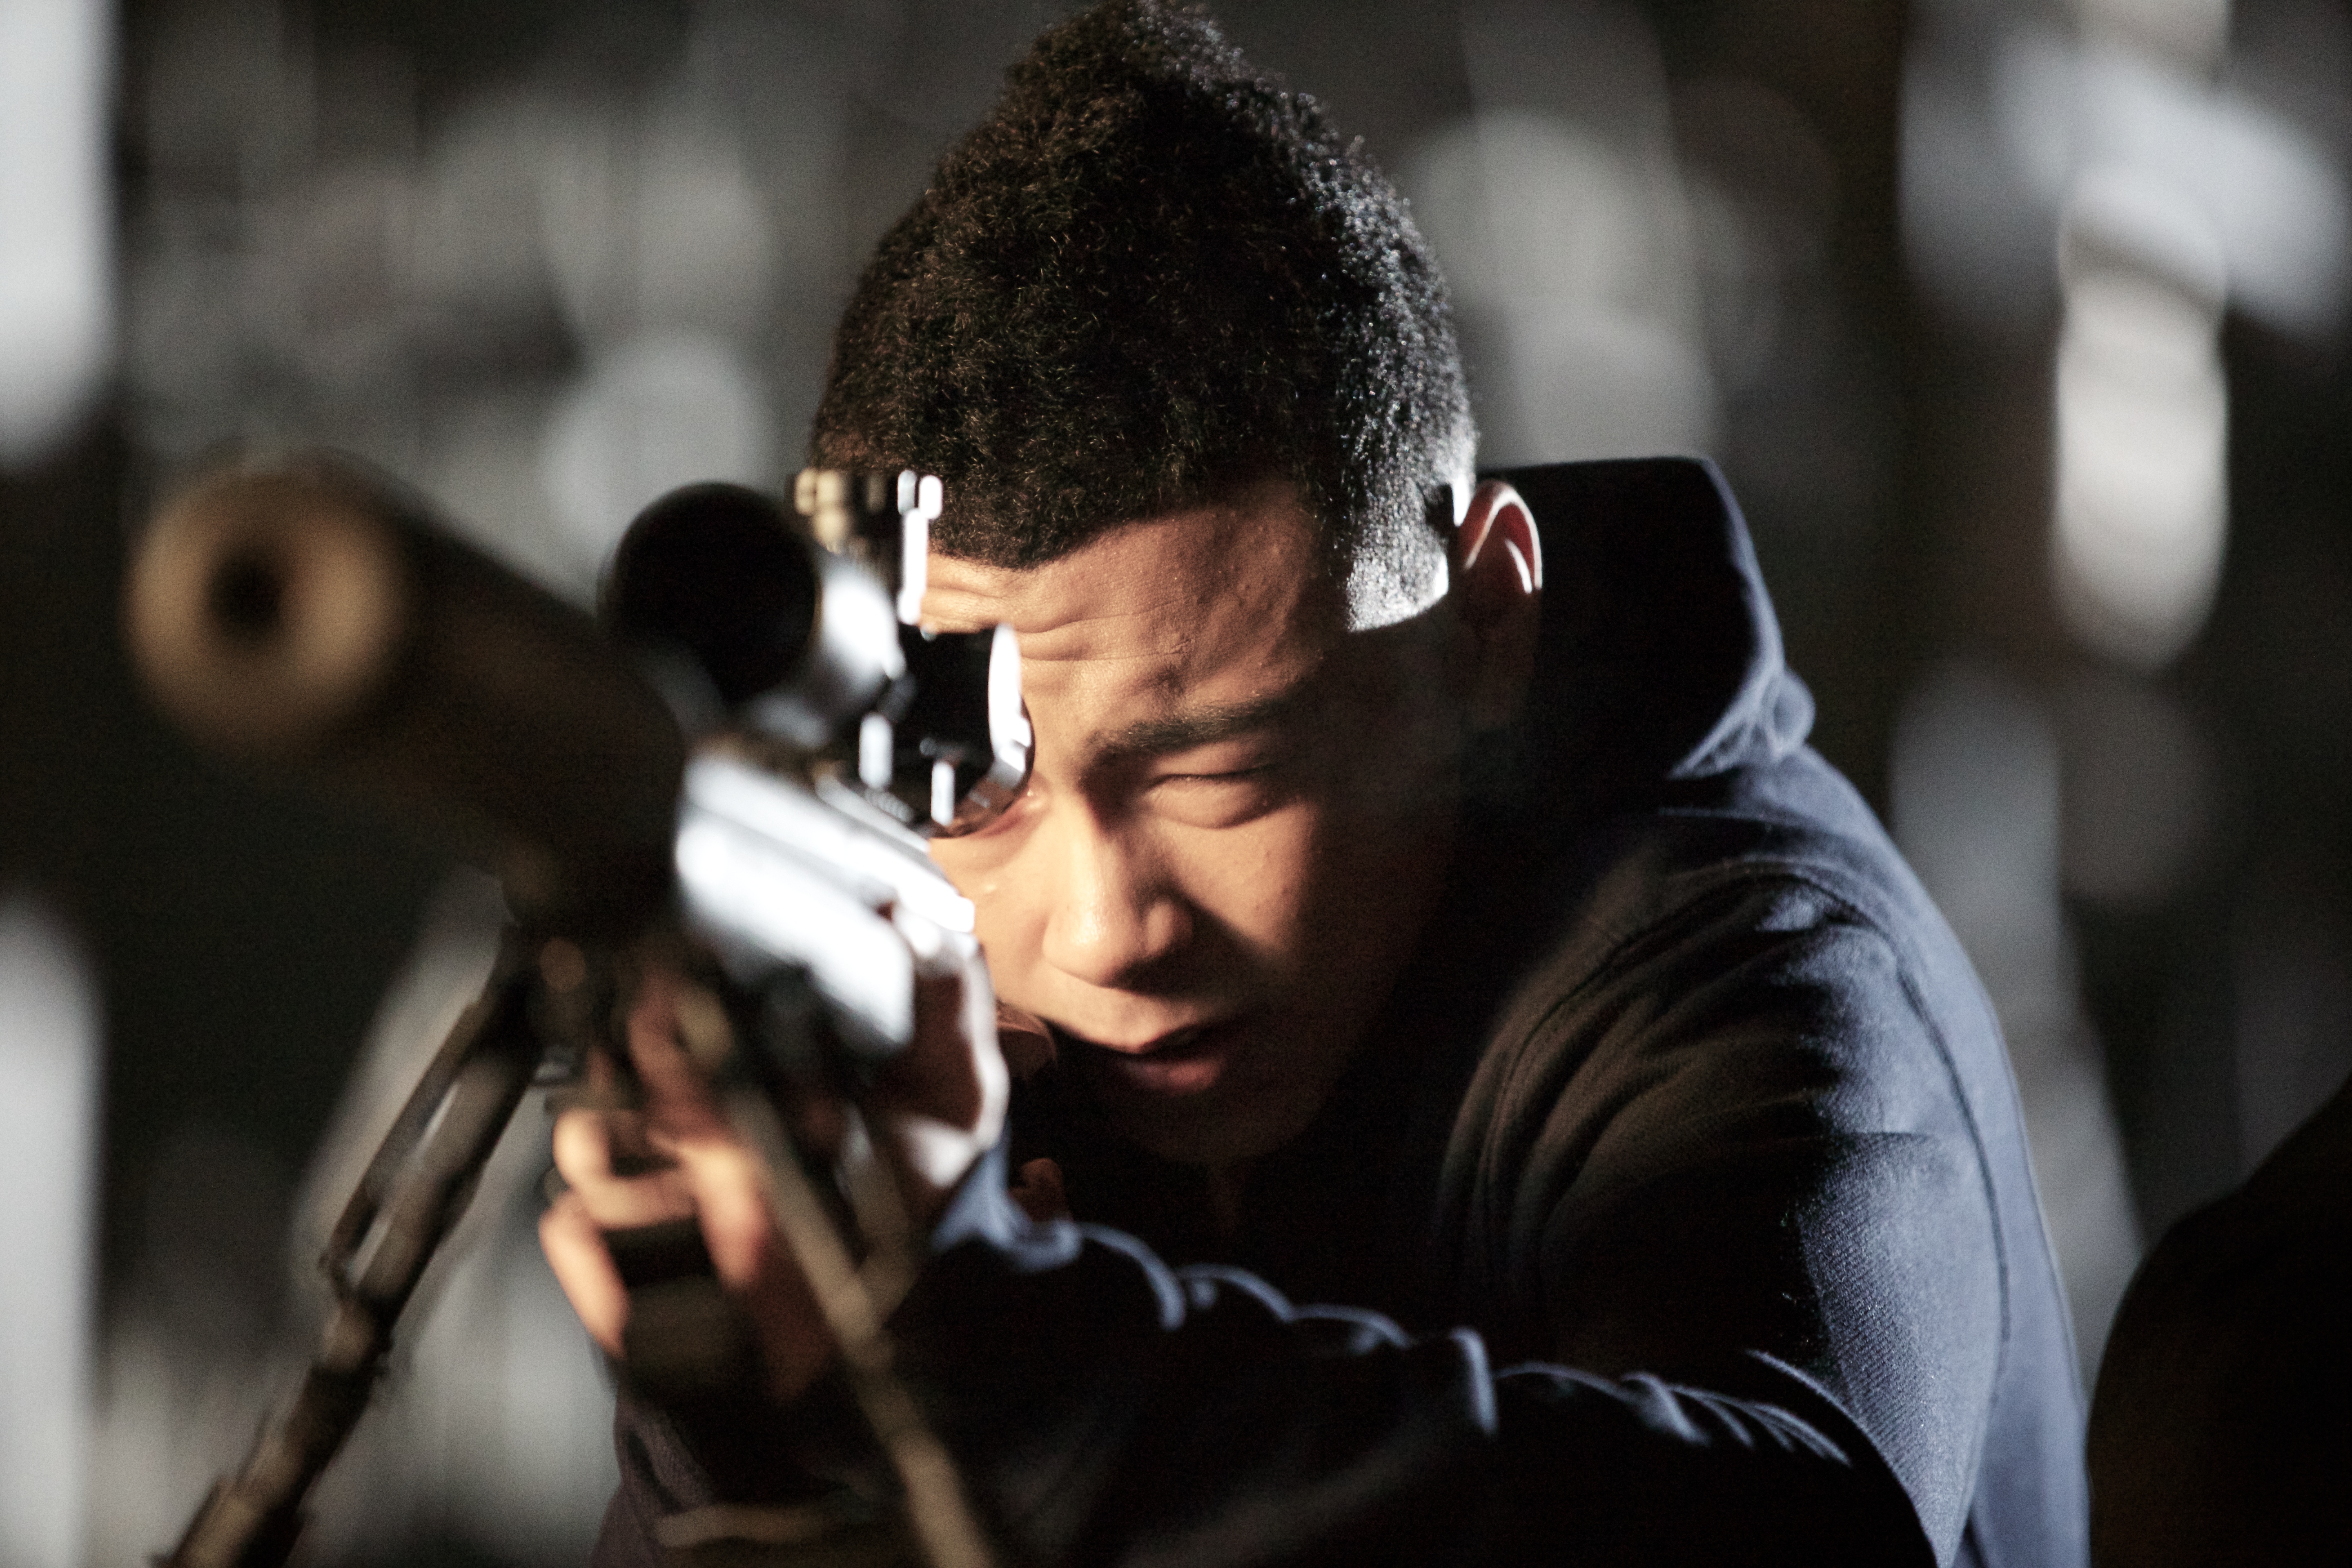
(1376, 881)
(1253, 881)
(1009, 924)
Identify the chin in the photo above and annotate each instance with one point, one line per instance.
(1202, 1132)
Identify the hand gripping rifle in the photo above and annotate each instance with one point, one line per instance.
(736, 774)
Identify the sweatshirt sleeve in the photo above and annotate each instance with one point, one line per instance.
(1110, 1410)
(1730, 1215)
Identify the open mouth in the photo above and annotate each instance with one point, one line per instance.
(1183, 1061)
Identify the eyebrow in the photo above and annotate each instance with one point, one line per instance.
(1203, 726)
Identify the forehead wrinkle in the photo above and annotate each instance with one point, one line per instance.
(1205, 725)
(970, 607)
(1080, 626)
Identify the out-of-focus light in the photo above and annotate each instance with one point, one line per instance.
(655, 223)
(1602, 384)
(1976, 788)
(663, 410)
(2274, 196)
(2142, 410)
(1538, 207)
(55, 320)
(1560, 216)
(2192, 31)
(2001, 123)
(2140, 790)
(2169, 198)
(48, 1090)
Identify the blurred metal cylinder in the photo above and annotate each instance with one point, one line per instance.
(310, 613)
(794, 641)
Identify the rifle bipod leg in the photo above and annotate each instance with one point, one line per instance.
(856, 1302)
(413, 1193)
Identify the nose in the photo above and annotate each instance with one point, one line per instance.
(1113, 917)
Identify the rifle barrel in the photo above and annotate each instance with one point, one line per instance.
(311, 614)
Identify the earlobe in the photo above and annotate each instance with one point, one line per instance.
(1498, 596)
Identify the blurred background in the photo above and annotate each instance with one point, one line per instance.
(2018, 326)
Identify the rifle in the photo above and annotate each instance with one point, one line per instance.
(735, 772)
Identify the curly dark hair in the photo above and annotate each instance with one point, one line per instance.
(1150, 276)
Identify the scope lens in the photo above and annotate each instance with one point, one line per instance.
(724, 573)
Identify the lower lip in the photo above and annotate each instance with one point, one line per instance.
(1192, 1068)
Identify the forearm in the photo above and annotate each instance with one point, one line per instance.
(1112, 1411)
(1106, 1409)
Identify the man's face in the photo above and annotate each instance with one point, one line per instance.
(1239, 819)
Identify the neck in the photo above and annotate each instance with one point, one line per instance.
(1226, 1185)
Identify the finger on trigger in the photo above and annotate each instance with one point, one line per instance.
(729, 1193)
(584, 1146)
(583, 1153)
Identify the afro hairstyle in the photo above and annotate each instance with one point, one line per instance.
(1150, 278)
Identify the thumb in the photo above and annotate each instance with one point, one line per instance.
(1039, 1192)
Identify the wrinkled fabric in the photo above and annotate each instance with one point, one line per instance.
(1688, 1116)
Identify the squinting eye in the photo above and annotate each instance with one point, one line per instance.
(1226, 775)
(1223, 799)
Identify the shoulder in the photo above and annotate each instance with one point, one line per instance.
(1761, 911)
(1743, 988)
(1693, 996)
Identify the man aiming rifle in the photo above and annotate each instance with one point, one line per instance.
(1403, 913)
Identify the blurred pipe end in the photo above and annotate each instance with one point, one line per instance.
(265, 612)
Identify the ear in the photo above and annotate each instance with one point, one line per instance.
(1498, 599)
